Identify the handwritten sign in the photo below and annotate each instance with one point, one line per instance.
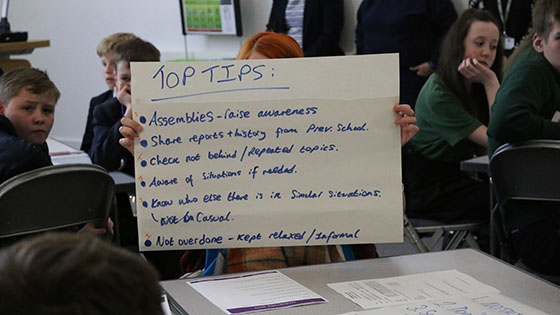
(279, 152)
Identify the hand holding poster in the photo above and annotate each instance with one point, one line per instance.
(277, 152)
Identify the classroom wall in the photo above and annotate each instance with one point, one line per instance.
(75, 27)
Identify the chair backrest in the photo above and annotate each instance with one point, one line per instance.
(527, 171)
(54, 197)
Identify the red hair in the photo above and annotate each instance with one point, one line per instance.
(271, 45)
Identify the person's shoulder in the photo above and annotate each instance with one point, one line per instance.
(534, 71)
(434, 88)
(111, 105)
(18, 155)
(101, 98)
(436, 97)
(108, 112)
(14, 146)
(533, 64)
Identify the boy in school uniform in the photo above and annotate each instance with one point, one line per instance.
(527, 106)
(27, 102)
(106, 52)
(106, 150)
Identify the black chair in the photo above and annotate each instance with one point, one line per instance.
(527, 171)
(55, 197)
(426, 234)
(451, 235)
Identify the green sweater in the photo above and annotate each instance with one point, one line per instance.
(525, 104)
(444, 124)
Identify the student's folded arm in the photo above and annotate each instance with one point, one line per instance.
(479, 136)
(521, 123)
(491, 84)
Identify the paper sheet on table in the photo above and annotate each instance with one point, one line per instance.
(62, 153)
(489, 304)
(255, 292)
(374, 293)
(277, 152)
(58, 148)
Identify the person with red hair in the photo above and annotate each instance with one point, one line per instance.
(268, 45)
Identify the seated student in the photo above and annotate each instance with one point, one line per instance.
(107, 152)
(268, 45)
(62, 273)
(527, 107)
(105, 149)
(452, 113)
(27, 102)
(105, 51)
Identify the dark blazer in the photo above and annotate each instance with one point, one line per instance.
(17, 155)
(88, 133)
(413, 28)
(105, 149)
(322, 25)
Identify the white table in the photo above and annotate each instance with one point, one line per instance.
(62, 153)
(477, 164)
(512, 282)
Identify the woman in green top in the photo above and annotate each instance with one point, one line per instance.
(452, 112)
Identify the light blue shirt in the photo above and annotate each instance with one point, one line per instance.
(294, 19)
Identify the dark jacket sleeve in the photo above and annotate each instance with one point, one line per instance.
(19, 156)
(323, 22)
(359, 28)
(277, 18)
(88, 132)
(106, 150)
(443, 15)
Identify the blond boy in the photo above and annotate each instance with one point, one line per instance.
(106, 52)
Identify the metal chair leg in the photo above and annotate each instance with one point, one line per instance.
(413, 236)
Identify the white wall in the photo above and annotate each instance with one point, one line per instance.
(74, 28)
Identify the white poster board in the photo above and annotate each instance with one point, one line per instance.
(277, 152)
